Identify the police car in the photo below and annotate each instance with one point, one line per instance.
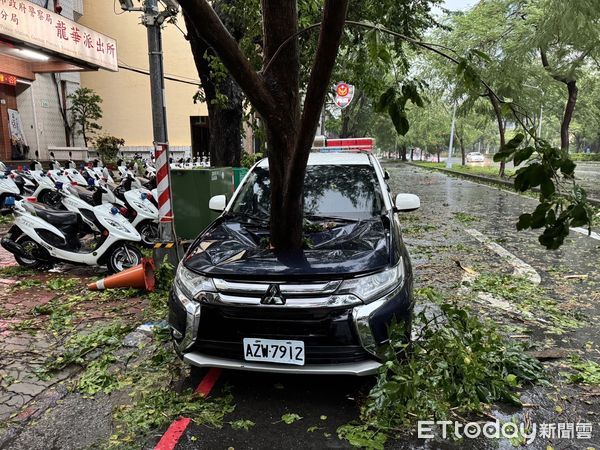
(235, 304)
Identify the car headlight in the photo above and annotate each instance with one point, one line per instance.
(190, 284)
(372, 287)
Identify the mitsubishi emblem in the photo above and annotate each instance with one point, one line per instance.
(273, 296)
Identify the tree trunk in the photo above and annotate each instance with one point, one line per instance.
(274, 93)
(404, 151)
(461, 142)
(412, 152)
(224, 120)
(501, 128)
(568, 115)
(572, 91)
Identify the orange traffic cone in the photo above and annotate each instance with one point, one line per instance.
(140, 277)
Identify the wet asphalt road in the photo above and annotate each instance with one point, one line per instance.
(328, 402)
(587, 174)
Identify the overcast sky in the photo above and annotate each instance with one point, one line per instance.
(458, 4)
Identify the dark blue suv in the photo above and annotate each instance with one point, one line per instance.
(237, 304)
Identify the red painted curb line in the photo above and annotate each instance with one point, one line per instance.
(171, 437)
(169, 440)
(208, 382)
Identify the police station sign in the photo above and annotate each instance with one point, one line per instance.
(29, 23)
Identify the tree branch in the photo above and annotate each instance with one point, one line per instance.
(209, 27)
(334, 15)
(549, 70)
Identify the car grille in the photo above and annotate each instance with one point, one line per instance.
(329, 335)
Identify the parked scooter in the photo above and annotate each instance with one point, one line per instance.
(139, 209)
(82, 201)
(42, 237)
(73, 174)
(8, 187)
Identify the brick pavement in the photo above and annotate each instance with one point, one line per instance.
(27, 338)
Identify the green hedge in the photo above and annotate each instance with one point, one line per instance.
(585, 156)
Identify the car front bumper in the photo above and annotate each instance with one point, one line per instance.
(359, 368)
(340, 341)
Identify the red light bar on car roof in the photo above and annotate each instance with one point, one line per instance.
(349, 145)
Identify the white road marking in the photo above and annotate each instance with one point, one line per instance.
(594, 235)
(522, 269)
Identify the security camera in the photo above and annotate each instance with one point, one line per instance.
(126, 5)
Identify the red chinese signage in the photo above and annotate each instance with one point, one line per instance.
(8, 79)
(25, 21)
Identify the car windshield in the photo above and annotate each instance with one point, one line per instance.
(330, 191)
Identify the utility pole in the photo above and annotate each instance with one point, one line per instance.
(153, 20)
(541, 118)
(157, 82)
(451, 146)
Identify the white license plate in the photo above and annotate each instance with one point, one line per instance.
(274, 350)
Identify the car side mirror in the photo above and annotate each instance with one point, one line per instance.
(407, 202)
(386, 175)
(217, 203)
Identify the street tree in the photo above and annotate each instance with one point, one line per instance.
(275, 94)
(566, 35)
(85, 111)
(220, 92)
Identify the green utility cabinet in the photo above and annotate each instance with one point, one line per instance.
(238, 175)
(192, 190)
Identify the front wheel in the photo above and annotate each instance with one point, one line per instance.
(30, 261)
(149, 233)
(123, 257)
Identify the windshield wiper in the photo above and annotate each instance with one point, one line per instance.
(320, 218)
(260, 221)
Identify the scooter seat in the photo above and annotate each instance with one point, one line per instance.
(59, 218)
(85, 195)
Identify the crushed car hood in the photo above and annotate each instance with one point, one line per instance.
(230, 249)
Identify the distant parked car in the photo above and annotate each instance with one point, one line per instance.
(475, 157)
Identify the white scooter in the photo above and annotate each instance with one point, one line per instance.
(41, 237)
(8, 187)
(82, 201)
(140, 210)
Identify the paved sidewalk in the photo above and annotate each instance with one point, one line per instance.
(39, 313)
(6, 258)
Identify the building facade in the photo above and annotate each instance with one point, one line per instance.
(126, 94)
(43, 50)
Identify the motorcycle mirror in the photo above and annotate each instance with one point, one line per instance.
(70, 154)
(52, 154)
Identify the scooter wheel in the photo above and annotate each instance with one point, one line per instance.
(149, 233)
(29, 245)
(123, 257)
